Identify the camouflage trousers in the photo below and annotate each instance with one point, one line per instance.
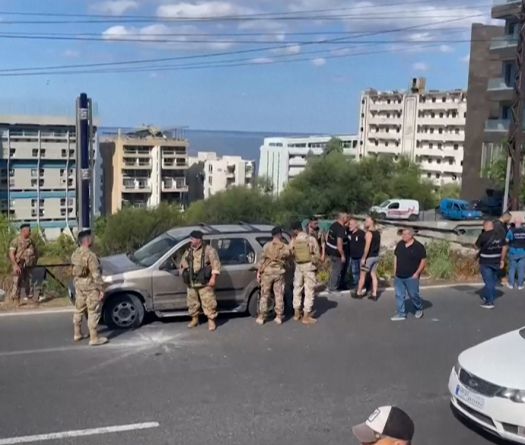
(304, 279)
(202, 296)
(272, 283)
(87, 304)
(22, 281)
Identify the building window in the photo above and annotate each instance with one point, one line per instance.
(42, 173)
(62, 171)
(430, 145)
(440, 146)
(209, 180)
(43, 153)
(438, 175)
(12, 152)
(433, 99)
(457, 130)
(451, 161)
(456, 146)
(64, 153)
(35, 152)
(444, 99)
(33, 182)
(33, 172)
(438, 161)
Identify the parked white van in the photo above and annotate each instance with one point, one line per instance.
(397, 209)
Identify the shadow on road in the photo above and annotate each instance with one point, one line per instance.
(323, 305)
(474, 427)
(499, 293)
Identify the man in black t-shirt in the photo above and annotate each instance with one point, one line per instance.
(356, 249)
(492, 251)
(410, 262)
(336, 248)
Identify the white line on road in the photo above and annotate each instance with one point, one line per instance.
(23, 313)
(79, 433)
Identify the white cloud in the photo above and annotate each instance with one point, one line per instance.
(446, 49)
(319, 61)
(293, 49)
(420, 37)
(466, 59)
(117, 32)
(261, 60)
(200, 10)
(71, 54)
(420, 66)
(115, 7)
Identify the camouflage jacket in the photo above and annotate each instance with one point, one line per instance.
(25, 251)
(312, 244)
(211, 258)
(274, 257)
(87, 273)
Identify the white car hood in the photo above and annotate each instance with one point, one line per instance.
(500, 360)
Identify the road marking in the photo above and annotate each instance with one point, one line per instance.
(79, 433)
(21, 313)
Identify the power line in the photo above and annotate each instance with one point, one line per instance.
(224, 53)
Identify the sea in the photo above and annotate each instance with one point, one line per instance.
(232, 143)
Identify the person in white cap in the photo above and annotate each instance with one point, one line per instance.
(387, 425)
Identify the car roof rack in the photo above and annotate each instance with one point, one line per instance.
(208, 227)
(253, 228)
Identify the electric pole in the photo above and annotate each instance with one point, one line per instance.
(84, 165)
(515, 145)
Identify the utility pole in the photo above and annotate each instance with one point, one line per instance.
(515, 145)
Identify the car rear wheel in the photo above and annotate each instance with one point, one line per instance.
(253, 305)
(413, 217)
(124, 311)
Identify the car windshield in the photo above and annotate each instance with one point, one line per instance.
(151, 252)
(522, 333)
(384, 204)
(465, 206)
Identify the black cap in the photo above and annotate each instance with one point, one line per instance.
(196, 234)
(83, 234)
(297, 226)
(389, 421)
(25, 226)
(277, 231)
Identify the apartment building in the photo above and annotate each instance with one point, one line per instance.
(427, 127)
(143, 168)
(485, 64)
(283, 158)
(38, 172)
(222, 172)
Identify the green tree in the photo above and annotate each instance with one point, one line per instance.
(334, 145)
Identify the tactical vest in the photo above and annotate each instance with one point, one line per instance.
(518, 241)
(302, 252)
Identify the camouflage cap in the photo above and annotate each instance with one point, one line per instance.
(277, 231)
(25, 226)
(196, 234)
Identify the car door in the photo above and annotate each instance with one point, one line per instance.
(238, 269)
(169, 291)
(393, 210)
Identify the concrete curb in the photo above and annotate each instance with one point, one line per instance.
(68, 310)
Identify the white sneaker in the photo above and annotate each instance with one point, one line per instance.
(398, 318)
(419, 314)
(487, 306)
(521, 287)
(510, 286)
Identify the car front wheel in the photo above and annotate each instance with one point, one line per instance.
(124, 311)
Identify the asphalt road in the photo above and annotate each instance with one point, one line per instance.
(246, 384)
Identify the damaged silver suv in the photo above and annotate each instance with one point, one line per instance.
(148, 280)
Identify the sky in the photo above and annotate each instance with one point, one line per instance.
(244, 65)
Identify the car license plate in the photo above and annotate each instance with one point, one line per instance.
(470, 398)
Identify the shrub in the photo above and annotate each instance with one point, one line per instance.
(440, 261)
(385, 269)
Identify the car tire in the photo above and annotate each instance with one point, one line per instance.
(124, 311)
(413, 217)
(381, 216)
(253, 304)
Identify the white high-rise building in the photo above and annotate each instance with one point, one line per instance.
(283, 158)
(223, 172)
(427, 127)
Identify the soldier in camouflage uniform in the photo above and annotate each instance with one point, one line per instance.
(200, 267)
(89, 289)
(23, 256)
(270, 274)
(306, 254)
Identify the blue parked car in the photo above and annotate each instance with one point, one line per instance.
(458, 210)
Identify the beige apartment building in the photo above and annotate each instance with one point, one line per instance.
(144, 168)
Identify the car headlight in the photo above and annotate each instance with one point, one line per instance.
(516, 395)
(107, 279)
(457, 368)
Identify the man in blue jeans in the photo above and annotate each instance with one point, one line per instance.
(492, 251)
(410, 262)
(516, 240)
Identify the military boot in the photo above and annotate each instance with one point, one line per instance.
(77, 334)
(194, 322)
(308, 319)
(212, 326)
(278, 319)
(98, 341)
(298, 314)
(260, 320)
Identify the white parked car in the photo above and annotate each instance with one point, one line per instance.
(397, 209)
(487, 385)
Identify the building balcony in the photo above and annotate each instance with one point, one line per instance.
(297, 161)
(380, 106)
(505, 47)
(136, 164)
(295, 171)
(496, 130)
(499, 90)
(174, 154)
(140, 153)
(174, 185)
(172, 164)
(502, 9)
(443, 137)
(134, 185)
(383, 135)
(438, 105)
(381, 120)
